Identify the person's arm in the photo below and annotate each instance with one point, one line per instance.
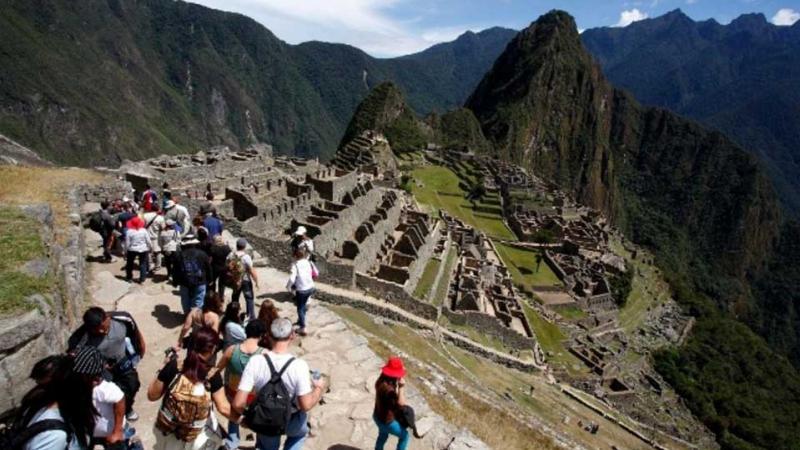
(119, 419)
(221, 402)
(187, 325)
(128, 240)
(292, 278)
(308, 401)
(226, 358)
(253, 275)
(401, 392)
(142, 344)
(155, 390)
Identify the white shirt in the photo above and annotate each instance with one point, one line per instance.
(138, 240)
(297, 377)
(104, 396)
(157, 223)
(308, 244)
(300, 277)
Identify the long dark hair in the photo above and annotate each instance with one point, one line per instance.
(196, 365)
(213, 303)
(386, 398)
(267, 314)
(71, 392)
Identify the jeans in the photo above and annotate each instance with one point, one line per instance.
(296, 433)
(192, 297)
(232, 441)
(144, 265)
(106, 235)
(168, 259)
(247, 290)
(393, 428)
(301, 300)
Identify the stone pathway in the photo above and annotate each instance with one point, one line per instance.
(343, 422)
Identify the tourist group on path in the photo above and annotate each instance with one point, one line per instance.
(225, 363)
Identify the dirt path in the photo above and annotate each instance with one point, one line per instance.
(343, 422)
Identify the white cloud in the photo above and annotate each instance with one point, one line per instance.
(365, 24)
(691, 2)
(786, 16)
(628, 17)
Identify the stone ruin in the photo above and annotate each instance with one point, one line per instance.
(367, 153)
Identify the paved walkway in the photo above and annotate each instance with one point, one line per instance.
(343, 422)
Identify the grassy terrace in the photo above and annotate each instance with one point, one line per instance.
(441, 289)
(19, 243)
(437, 187)
(522, 264)
(428, 278)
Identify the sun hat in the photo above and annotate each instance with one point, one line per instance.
(300, 231)
(394, 368)
(281, 328)
(169, 204)
(88, 361)
(190, 239)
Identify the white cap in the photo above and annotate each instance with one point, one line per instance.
(300, 231)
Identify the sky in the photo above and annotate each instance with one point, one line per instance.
(386, 28)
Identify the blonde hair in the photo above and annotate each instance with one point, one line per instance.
(219, 240)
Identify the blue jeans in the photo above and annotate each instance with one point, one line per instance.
(393, 428)
(296, 433)
(247, 289)
(192, 297)
(232, 441)
(301, 300)
(144, 265)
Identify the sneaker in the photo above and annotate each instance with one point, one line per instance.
(132, 416)
(302, 332)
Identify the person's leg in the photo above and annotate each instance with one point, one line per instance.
(221, 286)
(296, 431)
(383, 434)
(235, 294)
(186, 299)
(401, 433)
(130, 257)
(302, 301)
(129, 384)
(249, 299)
(232, 441)
(199, 296)
(268, 442)
(156, 260)
(144, 265)
(106, 235)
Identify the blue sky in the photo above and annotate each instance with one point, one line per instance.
(386, 28)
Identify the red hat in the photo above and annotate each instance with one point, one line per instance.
(394, 368)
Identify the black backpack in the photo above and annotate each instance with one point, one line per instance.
(192, 272)
(271, 410)
(96, 222)
(13, 438)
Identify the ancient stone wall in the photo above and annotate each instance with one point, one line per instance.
(333, 185)
(491, 326)
(396, 295)
(424, 253)
(368, 249)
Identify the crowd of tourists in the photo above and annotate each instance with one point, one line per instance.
(226, 363)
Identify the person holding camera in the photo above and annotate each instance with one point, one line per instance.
(392, 415)
(187, 393)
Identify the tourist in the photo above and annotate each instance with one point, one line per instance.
(121, 343)
(232, 328)
(305, 393)
(208, 316)
(137, 245)
(64, 408)
(149, 199)
(249, 278)
(166, 195)
(267, 314)
(234, 360)
(219, 253)
(179, 214)
(154, 224)
(102, 222)
(213, 224)
(301, 282)
(187, 395)
(46, 368)
(110, 429)
(122, 219)
(207, 207)
(389, 403)
(190, 272)
(168, 240)
(301, 241)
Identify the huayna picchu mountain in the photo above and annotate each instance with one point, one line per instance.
(99, 81)
(703, 204)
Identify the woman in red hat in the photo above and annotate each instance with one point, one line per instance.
(389, 401)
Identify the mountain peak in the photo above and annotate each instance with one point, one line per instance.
(555, 20)
(751, 21)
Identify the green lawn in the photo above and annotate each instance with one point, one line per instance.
(19, 243)
(522, 264)
(441, 288)
(428, 278)
(439, 190)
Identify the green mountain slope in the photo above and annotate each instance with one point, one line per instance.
(699, 201)
(98, 81)
(742, 78)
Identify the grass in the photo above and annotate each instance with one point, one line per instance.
(20, 242)
(481, 338)
(522, 264)
(449, 263)
(551, 339)
(438, 188)
(571, 312)
(425, 283)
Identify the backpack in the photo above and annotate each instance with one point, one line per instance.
(271, 410)
(80, 336)
(234, 272)
(96, 222)
(184, 413)
(193, 272)
(14, 438)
